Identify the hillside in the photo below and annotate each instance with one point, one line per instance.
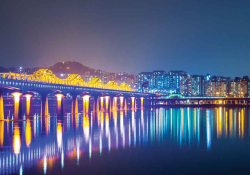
(70, 67)
(3, 70)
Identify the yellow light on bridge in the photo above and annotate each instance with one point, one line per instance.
(59, 97)
(47, 76)
(16, 96)
(28, 103)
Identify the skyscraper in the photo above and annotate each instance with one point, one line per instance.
(198, 85)
(186, 85)
(144, 77)
(174, 79)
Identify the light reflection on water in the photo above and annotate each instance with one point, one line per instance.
(41, 142)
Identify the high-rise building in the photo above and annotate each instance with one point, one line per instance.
(239, 87)
(186, 85)
(145, 77)
(166, 81)
(158, 79)
(174, 79)
(217, 86)
(198, 85)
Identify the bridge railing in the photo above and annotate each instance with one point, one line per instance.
(47, 76)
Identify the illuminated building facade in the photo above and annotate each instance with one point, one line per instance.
(198, 85)
(186, 85)
(239, 87)
(158, 79)
(175, 79)
(218, 86)
(145, 78)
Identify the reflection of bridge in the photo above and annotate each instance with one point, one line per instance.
(65, 137)
(181, 100)
(44, 82)
(44, 140)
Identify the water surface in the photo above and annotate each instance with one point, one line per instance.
(150, 141)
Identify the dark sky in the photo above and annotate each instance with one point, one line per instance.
(203, 36)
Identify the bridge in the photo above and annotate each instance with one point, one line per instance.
(181, 100)
(43, 83)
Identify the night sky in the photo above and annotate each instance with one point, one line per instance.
(199, 37)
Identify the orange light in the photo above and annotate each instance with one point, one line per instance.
(28, 132)
(101, 103)
(133, 102)
(1, 133)
(107, 102)
(28, 96)
(17, 141)
(59, 102)
(59, 135)
(115, 103)
(85, 126)
(16, 103)
(59, 97)
(86, 102)
(142, 102)
(28, 104)
(121, 102)
(16, 96)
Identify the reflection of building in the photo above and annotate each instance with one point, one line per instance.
(89, 138)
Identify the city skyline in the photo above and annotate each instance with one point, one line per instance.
(199, 37)
(158, 81)
(130, 73)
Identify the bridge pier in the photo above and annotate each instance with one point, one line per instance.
(96, 104)
(121, 103)
(148, 102)
(29, 110)
(44, 104)
(74, 106)
(17, 105)
(101, 101)
(114, 103)
(125, 104)
(135, 104)
(142, 101)
(111, 106)
(132, 103)
(60, 104)
(86, 103)
(107, 103)
(1, 107)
